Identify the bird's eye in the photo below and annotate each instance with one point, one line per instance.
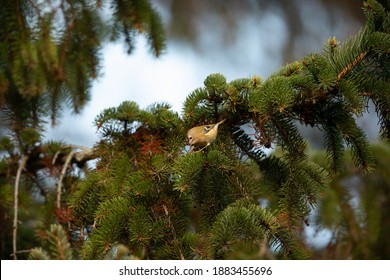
(190, 137)
(207, 127)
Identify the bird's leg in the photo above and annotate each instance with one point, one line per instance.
(208, 144)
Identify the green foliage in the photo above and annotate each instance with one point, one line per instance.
(131, 17)
(111, 215)
(57, 244)
(147, 197)
(354, 208)
(216, 193)
(148, 201)
(247, 221)
(50, 53)
(6, 144)
(130, 199)
(190, 170)
(144, 200)
(38, 254)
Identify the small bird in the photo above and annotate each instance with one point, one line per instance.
(202, 135)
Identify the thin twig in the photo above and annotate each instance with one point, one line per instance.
(350, 66)
(88, 152)
(22, 164)
(76, 147)
(79, 155)
(59, 186)
(21, 252)
(53, 161)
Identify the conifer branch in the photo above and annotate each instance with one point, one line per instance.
(39, 159)
(176, 240)
(22, 165)
(61, 74)
(350, 66)
(20, 18)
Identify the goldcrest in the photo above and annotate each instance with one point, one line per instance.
(203, 135)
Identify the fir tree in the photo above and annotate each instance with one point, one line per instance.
(149, 198)
(50, 52)
(150, 195)
(354, 209)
